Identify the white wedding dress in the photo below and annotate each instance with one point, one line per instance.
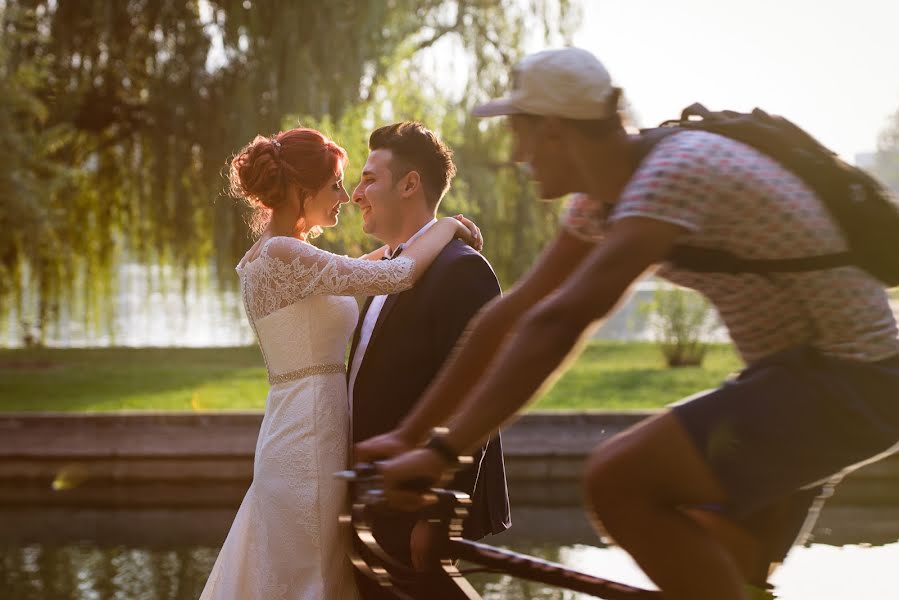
(285, 542)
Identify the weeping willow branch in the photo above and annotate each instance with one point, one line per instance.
(120, 116)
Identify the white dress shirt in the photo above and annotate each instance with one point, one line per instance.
(371, 318)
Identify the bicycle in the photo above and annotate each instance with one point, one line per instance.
(450, 510)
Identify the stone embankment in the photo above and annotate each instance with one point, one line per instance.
(205, 460)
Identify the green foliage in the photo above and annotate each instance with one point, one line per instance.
(499, 196)
(682, 321)
(122, 116)
(611, 376)
(35, 246)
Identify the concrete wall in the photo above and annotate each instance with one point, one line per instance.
(205, 460)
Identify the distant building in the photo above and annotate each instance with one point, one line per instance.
(865, 160)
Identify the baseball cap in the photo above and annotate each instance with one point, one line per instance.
(565, 82)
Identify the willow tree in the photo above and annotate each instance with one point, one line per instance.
(124, 114)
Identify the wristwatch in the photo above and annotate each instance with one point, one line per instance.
(437, 442)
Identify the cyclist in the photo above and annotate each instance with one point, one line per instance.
(696, 493)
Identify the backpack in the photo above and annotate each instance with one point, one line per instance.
(865, 211)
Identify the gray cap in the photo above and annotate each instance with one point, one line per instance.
(565, 82)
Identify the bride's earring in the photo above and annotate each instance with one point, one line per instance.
(300, 230)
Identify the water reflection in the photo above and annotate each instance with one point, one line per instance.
(86, 571)
(610, 563)
(153, 307)
(60, 553)
(89, 572)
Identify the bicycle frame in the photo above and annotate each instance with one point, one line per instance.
(449, 512)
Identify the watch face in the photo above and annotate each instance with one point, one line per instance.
(438, 444)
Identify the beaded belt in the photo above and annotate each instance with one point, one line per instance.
(306, 372)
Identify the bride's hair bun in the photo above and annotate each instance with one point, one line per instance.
(264, 170)
(257, 174)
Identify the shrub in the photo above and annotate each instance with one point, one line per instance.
(682, 323)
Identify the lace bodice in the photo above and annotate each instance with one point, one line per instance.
(298, 300)
(288, 270)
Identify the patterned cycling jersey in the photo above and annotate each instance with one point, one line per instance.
(729, 196)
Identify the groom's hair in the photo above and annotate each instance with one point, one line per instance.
(416, 148)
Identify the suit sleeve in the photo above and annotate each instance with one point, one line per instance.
(466, 286)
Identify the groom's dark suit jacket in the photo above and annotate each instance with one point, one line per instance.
(414, 334)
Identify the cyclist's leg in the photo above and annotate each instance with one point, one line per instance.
(744, 546)
(636, 484)
(759, 542)
(785, 423)
(782, 525)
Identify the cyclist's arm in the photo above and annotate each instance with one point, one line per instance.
(486, 332)
(548, 332)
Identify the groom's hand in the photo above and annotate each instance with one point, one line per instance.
(381, 447)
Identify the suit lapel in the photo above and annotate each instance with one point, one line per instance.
(392, 300)
(356, 335)
(389, 304)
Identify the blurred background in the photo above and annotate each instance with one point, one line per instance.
(118, 119)
(120, 116)
(130, 385)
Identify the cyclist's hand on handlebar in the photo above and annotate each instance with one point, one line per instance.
(409, 475)
(386, 445)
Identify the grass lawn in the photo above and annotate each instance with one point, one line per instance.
(104, 379)
(632, 375)
(607, 375)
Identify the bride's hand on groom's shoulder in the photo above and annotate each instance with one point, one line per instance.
(381, 447)
(470, 233)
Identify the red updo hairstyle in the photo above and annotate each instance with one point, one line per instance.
(264, 170)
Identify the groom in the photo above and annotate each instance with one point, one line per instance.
(402, 339)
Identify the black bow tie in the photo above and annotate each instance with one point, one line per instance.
(398, 251)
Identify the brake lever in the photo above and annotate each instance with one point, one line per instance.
(360, 473)
(368, 475)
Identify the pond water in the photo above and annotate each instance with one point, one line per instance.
(165, 314)
(85, 555)
(153, 307)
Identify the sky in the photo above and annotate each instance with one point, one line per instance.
(831, 66)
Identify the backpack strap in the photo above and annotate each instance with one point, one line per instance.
(710, 260)
(649, 138)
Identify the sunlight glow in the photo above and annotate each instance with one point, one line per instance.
(69, 477)
(831, 67)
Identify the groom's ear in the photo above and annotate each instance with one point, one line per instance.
(411, 183)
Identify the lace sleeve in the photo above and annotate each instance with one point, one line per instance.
(289, 270)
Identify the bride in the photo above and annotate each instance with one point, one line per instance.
(284, 542)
